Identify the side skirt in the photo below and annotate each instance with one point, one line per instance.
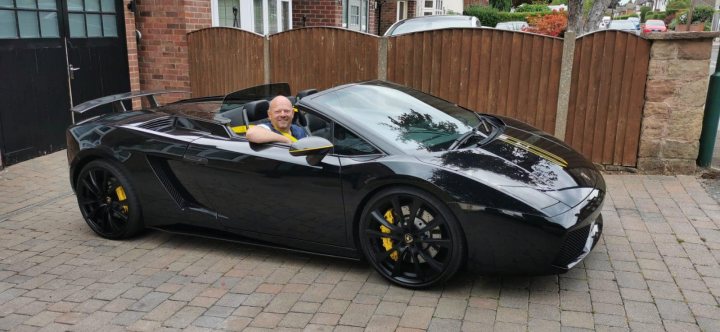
(322, 250)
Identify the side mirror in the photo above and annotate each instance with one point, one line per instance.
(315, 148)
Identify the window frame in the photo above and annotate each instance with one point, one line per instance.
(246, 15)
(401, 14)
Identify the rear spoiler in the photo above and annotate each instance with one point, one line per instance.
(116, 101)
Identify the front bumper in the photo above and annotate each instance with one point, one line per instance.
(502, 242)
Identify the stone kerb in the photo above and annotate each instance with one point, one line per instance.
(675, 95)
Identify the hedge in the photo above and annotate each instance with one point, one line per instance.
(532, 8)
(490, 17)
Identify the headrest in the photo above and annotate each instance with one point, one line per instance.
(257, 110)
(304, 93)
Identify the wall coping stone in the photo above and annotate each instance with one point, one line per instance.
(682, 35)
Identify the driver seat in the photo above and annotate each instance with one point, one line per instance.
(255, 111)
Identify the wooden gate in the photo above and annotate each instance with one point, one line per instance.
(492, 71)
(607, 96)
(321, 58)
(223, 60)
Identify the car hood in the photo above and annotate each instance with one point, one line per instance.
(523, 157)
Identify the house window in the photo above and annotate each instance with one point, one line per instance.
(432, 7)
(225, 13)
(92, 18)
(355, 15)
(259, 16)
(401, 10)
(29, 19)
(285, 15)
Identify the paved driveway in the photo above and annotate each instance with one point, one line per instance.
(656, 268)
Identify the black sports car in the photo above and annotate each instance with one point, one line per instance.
(418, 186)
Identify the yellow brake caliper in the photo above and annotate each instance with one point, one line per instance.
(120, 192)
(386, 241)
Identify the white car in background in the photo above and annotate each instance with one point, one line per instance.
(432, 22)
(512, 25)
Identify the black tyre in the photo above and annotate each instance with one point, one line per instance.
(411, 238)
(108, 201)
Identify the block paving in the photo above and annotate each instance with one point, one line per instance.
(655, 269)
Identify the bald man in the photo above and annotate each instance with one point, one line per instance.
(280, 127)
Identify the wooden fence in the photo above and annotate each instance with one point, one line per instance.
(486, 70)
(321, 58)
(513, 74)
(223, 60)
(607, 96)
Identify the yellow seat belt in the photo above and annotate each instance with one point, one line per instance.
(286, 134)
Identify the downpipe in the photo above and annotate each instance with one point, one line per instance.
(710, 119)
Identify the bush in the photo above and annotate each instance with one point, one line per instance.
(675, 6)
(501, 5)
(702, 14)
(656, 16)
(559, 2)
(490, 17)
(535, 8)
(553, 24)
(643, 13)
(624, 17)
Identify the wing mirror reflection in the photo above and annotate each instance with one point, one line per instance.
(315, 148)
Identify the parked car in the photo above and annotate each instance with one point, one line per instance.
(512, 25)
(418, 186)
(635, 20)
(432, 22)
(654, 26)
(624, 25)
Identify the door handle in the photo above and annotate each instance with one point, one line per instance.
(71, 71)
(195, 159)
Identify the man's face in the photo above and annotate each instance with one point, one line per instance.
(281, 113)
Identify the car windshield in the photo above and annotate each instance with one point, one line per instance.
(412, 119)
(655, 23)
(431, 24)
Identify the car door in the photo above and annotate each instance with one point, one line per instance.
(260, 189)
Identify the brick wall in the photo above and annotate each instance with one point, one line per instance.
(317, 13)
(389, 14)
(326, 13)
(467, 3)
(162, 52)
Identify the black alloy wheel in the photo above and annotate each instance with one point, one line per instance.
(411, 238)
(107, 200)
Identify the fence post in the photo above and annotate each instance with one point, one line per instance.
(266, 59)
(382, 59)
(568, 56)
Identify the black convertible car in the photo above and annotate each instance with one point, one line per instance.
(416, 185)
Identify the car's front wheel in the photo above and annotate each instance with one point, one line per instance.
(108, 201)
(411, 238)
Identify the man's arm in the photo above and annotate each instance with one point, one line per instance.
(260, 134)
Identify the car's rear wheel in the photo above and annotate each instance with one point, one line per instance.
(411, 238)
(108, 201)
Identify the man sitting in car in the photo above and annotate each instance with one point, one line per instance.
(279, 128)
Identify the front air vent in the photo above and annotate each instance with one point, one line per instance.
(573, 246)
(161, 124)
